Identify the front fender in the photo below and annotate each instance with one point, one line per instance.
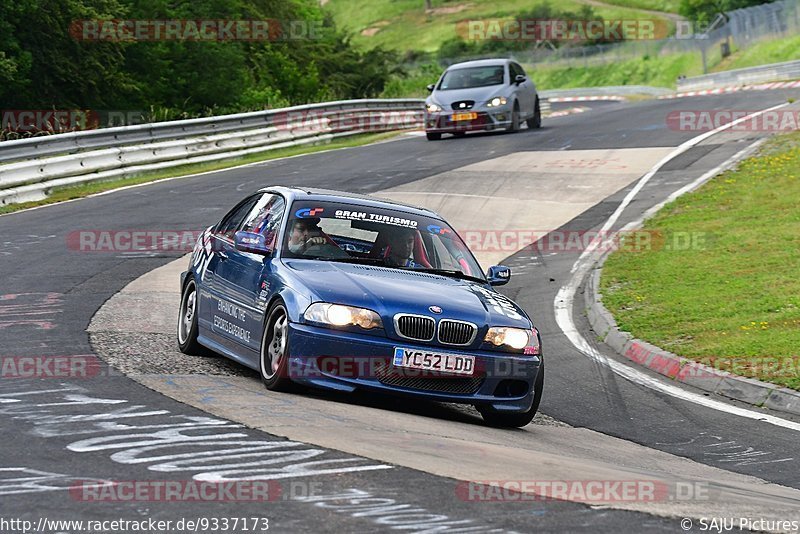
(296, 304)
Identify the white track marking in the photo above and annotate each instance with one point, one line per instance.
(566, 295)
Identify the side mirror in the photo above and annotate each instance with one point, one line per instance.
(519, 79)
(498, 275)
(251, 242)
(430, 87)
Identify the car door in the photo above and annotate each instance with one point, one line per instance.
(247, 278)
(522, 90)
(527, 91)
(212, 291)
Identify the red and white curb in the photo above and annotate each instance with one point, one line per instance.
(735, 89)
(586, 98)
(683, 370)
(553, 115)
(564, 112)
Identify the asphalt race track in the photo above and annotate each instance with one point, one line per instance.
(60, 433)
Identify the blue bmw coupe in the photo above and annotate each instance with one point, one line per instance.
(341, 291)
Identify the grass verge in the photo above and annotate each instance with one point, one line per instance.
(404, 25)
(732, 299)
(80, 191)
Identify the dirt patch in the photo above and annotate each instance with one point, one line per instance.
(448, 10)
(375, 28)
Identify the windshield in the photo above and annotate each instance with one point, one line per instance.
(472, 77)
(351, 233)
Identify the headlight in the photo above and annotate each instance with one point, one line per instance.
(515, 338)
(433, 108)
(497, 101)
(340, 315)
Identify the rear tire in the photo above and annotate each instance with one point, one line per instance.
(514, 126)
(433, 136)
(517, 420)
(187, 322)
(536, 120)
(274, 360)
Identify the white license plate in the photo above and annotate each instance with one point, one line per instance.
(458, 364)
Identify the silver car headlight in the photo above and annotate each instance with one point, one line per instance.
(497, 101)
(341, 315)
(433, 107)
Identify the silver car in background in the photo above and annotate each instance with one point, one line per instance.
(487, 94)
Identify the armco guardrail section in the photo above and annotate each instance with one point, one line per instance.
(614, 90)
(31, 168)
(775, 72)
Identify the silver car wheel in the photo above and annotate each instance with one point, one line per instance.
(187, 315)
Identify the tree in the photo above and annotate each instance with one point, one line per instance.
(705, 11)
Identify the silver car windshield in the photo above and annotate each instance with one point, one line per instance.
(472, 77)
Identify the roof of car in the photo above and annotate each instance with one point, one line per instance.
(480, 63)
(331, 195)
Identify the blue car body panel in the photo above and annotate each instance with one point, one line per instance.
(236, 289)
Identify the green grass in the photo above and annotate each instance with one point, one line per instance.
(774, 51)
(409, 27)
(80, 191)
(660, 71)
(735, 296)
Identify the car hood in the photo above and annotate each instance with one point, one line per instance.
(478, 94)
(391, 291)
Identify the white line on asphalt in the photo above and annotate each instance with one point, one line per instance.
(566, 295)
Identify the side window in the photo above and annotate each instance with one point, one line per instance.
(230, 223)
(516, 70)
(265, 217)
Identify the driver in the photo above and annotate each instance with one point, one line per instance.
(305, 233)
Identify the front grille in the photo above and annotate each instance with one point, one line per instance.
(456, 332)
(463, 104)
(440, 384)
(416, 327)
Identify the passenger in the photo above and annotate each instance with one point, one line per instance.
(401, 249)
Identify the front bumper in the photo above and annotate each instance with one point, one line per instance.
(345, 361)
(442, 121)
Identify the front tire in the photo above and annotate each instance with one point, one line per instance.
(187, 322)
(517, 420)
(275, 349)
(514, 126)
(536, 120)
(433, 136)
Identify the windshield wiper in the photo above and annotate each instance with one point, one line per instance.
(354, 259)
(452, 273)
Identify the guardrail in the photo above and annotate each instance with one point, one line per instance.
(613, 90)
(775, 72)
(32, 168)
